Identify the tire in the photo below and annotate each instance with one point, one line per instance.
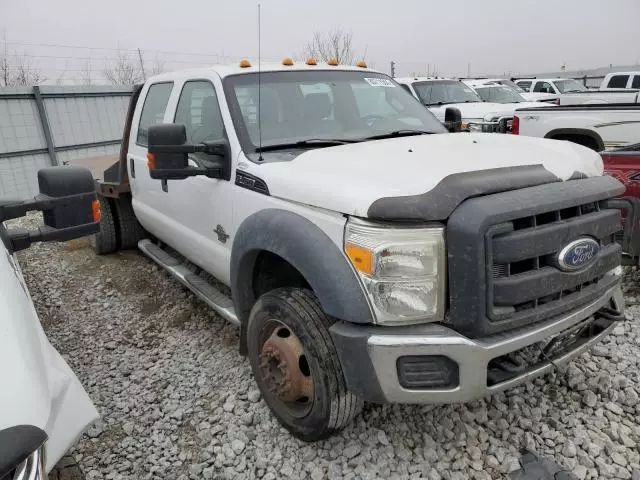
(330, 406)
(130, 231)
(66, 469)
(106, 240)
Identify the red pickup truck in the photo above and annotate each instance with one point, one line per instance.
(624, 164)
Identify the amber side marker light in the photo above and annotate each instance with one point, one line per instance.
(95, 210)
(151, 161)
(361, 258)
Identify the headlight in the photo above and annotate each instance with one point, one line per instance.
(475, 127)
(402, 269)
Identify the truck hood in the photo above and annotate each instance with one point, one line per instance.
(38, 387)
(484, 110)
(349, 178)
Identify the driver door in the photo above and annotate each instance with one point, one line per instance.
(200, 206)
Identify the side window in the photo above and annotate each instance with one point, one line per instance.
(199, 111)
(618, 81)
(524, 85)
(406, 87)
(153, 109)
(543, 87)
(636, 82)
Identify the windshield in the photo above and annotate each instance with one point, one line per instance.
(569, 85)
(512, 85)
(499, 94)
(444, 92)
(307, 107)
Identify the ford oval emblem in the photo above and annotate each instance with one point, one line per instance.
(578, 254)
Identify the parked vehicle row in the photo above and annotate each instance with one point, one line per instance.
(505, 82)
(572, 92)
(478, 114)
(370, 254)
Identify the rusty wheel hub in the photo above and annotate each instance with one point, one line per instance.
(284, 367)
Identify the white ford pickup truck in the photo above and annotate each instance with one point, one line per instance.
(597, 126)
(43, 407)
(366, 253)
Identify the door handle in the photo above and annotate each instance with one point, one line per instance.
(132, 167)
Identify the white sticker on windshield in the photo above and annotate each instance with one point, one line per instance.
(468, 90)
(380, 82)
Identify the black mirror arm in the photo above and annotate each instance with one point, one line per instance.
(9, 211)
(20, 238)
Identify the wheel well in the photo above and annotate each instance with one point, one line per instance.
(580, 138)
(272, 271)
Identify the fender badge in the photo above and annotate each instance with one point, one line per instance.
(222, 235)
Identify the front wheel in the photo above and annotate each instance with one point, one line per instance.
(296, 365)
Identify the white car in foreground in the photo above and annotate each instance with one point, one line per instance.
(43, 407)
(478, 115)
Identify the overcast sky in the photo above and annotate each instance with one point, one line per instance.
(493, 36)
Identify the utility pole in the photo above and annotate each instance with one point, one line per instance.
(468, 69)
(393, 69)
(144, 76)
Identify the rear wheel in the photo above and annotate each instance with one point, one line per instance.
(106, 240)
(296, 365)
(129, 229)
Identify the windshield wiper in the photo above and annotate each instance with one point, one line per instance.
(398, 133)
(438, 104)
(310, 142)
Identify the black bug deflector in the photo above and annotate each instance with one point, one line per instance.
(444, 198)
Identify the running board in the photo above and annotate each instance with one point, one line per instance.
(213, 297)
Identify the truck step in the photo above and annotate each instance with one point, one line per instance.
(213, 297)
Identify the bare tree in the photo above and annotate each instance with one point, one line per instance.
(157, 67)
(328, 45)
(123, 71)
(25, 74)
(5, 70)
(86, 77)
(16, 70)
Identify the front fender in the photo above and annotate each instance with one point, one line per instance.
(308, 249)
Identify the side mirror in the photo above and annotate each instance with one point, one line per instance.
(453, 119)
(168, 157)
(68, 201)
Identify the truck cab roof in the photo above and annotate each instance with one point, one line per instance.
(228, 70)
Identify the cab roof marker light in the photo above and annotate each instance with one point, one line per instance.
(245, 63)
(287, 61)
(312, 61)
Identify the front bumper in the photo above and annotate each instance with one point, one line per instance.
(32, 468)
(370, 355)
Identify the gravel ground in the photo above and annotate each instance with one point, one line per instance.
(179, 402)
